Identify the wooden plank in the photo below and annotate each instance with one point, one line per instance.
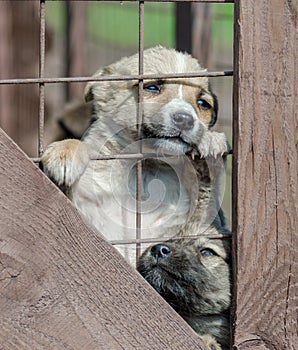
(266, 167)
(62, 286)
(202, 33)
(76, 13)
(19, 103)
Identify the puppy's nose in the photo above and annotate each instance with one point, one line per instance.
(183, 121)
(160, 251)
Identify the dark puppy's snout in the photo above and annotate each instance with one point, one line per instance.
(160, 251)
(183, 120)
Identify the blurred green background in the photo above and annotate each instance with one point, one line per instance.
(111, 22)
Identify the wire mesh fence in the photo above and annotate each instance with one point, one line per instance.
(42, 82)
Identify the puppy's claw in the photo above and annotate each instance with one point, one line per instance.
(192, 154)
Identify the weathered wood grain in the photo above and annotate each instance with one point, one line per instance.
(61, 285)
(265, 174)
(19, 49)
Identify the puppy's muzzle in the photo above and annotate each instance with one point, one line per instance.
(182, 120)
(160, 251)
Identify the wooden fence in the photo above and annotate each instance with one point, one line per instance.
(62, 286)
(265, 171)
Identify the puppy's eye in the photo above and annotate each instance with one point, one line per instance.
(207, 252)
(155, 88)
(204, 104)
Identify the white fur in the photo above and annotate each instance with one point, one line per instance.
(180, 92)
(180, 62)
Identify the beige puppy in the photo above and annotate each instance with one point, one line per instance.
(177, 115)
(193, 276)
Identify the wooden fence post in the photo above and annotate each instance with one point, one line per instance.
(183, 27)
(62, 286)
(265, 174)
(76, 12)
(19, 59)
(202, 33)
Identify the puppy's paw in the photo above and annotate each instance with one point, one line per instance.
(213, 144)
(65, 161)
(210, 342)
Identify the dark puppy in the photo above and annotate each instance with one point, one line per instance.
(193, 276)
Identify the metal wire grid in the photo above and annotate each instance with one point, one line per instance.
(41, 81)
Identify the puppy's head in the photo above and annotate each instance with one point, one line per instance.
(175, 111)
(192, 275)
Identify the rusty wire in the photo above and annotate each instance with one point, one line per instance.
(139, 130)
(140, 77)
(114, 78)
(42, 31)
(210, 1)
(138, 156)
(163, 239)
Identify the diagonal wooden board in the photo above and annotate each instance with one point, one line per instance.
(62, 286)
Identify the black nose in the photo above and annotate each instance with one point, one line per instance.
(183, 121)
(160, 251)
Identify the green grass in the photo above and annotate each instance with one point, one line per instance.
(116, 23)
(222, 28)
(55, 15)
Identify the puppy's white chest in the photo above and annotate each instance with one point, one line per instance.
(106, 195)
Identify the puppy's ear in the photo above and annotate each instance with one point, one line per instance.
(93, 88)
(214, 111)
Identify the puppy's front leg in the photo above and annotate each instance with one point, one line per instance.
(65, 161)
(213, 144)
